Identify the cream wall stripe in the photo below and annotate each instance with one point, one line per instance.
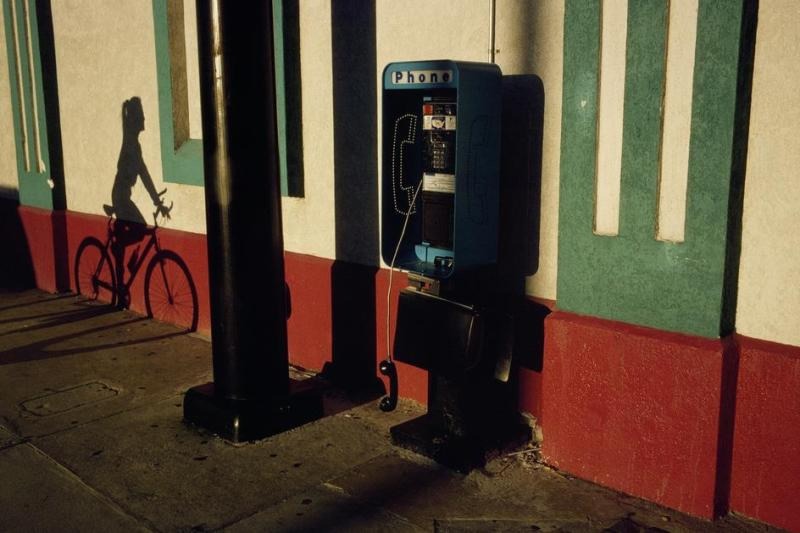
(681, 37)
(769, 271)
(610, 116)
(192, 69)
(9, 184)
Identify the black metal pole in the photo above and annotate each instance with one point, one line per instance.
(243, 212)
(250, 394)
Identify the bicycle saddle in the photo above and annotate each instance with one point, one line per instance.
(109, 210)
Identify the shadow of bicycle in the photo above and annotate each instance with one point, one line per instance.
(170, 294)
(71, 327)
(105, 272)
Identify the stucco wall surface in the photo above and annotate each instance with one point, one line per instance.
(9, 183)
(105, 55)
(769, 275)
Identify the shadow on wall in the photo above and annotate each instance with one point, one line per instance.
(16, 269)
(520, 211)
(100, 267)
(353, 364)
(47, 53)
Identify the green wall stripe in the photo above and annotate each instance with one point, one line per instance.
(633, 277)
(182, 164)
(41, 110)
(288, 95)
(34, 189)
(713, 122)
(280, 91)
(579, 112)
(644, 95)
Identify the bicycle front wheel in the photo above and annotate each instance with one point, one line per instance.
(94, 272)
(169, 292)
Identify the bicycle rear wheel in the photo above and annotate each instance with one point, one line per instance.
(94, 272)
(169, 292)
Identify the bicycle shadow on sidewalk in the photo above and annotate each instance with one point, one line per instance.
(95, 334)
(53, 319)
(106, 271)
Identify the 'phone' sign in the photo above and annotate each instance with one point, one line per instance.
(406, 77)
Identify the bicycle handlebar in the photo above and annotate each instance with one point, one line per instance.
(164, 212)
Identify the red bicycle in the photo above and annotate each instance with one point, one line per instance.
(169, 292)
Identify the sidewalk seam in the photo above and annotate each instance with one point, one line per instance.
(106, 499)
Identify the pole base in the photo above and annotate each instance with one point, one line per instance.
(248, 420)
(425, 436)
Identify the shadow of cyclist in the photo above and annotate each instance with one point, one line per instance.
(131, 226)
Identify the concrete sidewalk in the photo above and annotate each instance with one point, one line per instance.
(91, 439)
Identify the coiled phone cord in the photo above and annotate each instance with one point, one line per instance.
(387, 367)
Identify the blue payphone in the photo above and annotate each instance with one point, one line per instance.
(441, 145)
(440, 201)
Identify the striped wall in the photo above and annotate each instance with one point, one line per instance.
(673, 174)
(26, 97)
(613, 262)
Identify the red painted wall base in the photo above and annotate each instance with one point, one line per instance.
(45, 233)
(639, 410)
(766, 455)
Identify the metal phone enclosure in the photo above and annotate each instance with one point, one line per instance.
(441, 129)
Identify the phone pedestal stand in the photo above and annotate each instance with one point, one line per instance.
(472, 393)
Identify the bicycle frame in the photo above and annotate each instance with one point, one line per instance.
(140, 261)
(134, 269)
